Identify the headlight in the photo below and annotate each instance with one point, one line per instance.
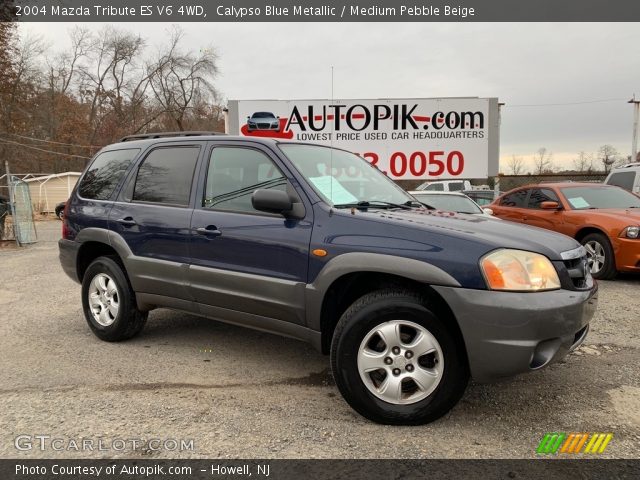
(517, 270)
(631, 232)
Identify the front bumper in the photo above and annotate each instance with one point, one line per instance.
(506, 333)
(627, 253)
(263, 126)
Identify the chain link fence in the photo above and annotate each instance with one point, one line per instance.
(508, 182)
(504, 183)
(16, 213)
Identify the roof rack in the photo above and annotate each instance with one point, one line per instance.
(147, 136)
(628, 165)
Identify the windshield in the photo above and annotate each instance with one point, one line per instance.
(342, 178)
(451, 203)
(582, 198)
(263, 115)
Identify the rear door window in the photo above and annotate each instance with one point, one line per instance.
(622, 179)
(516, 199)
(166, 176)
(456, 186)
(104, 174)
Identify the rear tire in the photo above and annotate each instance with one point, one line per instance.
(385, 391)
(600, 256)
(109, 302)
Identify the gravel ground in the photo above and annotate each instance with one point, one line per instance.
(243, 394)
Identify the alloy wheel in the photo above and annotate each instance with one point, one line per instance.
(104, 299)
(595, 256)
(400, 362)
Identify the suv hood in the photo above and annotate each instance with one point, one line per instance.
(476, 228)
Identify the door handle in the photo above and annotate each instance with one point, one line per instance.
(209, 231)
(524, 218)
(126, 221)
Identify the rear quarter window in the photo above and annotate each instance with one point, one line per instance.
(622, 179)
(104, 173)
(515, 199)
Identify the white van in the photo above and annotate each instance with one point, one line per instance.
(626, 176)
(445, 186)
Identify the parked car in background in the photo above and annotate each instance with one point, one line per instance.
(263, 121)
(451, 202)
(60, 210)
(482, 197)
(5, 210)
(603, 218)
(445, 186)
(627, 177)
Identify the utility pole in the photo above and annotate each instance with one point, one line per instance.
(636, 118)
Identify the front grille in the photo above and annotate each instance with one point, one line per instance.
(263, 125)
(579, 272)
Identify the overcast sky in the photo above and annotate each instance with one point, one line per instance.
(520, 63)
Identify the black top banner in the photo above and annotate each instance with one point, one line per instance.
(319, 11)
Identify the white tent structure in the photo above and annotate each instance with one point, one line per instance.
(49, 190)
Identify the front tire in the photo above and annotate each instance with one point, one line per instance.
(397, 362)
(109, 302)
(600, 256)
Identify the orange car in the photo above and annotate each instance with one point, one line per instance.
(605, 219)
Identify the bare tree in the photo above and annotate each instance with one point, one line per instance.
(107, 75)
(57, 106)
(63, 67)
(516, 165)
(584, 162)
(608, 155)
(181, 81)
(543, 161)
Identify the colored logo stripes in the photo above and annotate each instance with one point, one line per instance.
(574, 443)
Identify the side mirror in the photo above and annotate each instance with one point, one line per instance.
(272, 201)
(550, 206)
(488, 211)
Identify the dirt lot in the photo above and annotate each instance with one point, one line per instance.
(244, 394)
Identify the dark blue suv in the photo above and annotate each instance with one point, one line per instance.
(316, 244)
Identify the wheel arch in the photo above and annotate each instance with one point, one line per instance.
(587, 230)
(97, 242)
(348, 277)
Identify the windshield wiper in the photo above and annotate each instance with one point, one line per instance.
(417, 203)
(369, 204)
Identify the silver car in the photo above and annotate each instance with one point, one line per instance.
(452, 202)
(263, 121)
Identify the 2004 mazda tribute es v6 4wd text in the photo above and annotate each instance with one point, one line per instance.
(315, 243)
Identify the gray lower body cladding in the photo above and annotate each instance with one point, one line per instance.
(506, 333)
(68, 253)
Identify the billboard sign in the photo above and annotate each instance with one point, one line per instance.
(408, 139)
